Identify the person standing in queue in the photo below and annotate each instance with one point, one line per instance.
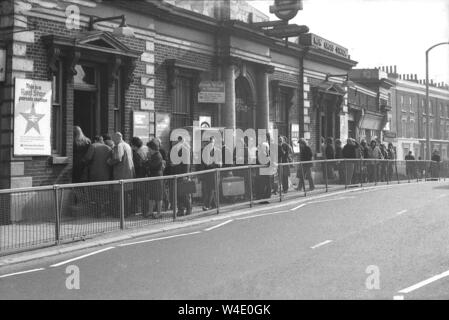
(305, 154)
(123, 167)
(155, 166)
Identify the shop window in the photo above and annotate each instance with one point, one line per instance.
(410, 104)
(412, 129)
(183, 100)
(56, 112)
(402, 102)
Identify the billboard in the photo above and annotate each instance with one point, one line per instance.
(32, 118)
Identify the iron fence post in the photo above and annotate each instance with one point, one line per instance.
(217, 189)
(303, 180)
(360, 162)
(280, 181)
(122, 204)
(251, 198)
(396, 169)
(175, 197)
(346, 175)
(58, 215)
(416, 171)
(325, 175)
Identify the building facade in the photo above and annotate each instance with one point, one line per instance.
(149, 81)
(410, 116)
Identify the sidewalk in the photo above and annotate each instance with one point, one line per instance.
(138, 227)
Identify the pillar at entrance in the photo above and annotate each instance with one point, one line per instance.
(228, 110)
(263, 97)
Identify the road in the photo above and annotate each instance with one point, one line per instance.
(389, 243)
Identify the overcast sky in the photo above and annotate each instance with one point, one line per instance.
(382, 32)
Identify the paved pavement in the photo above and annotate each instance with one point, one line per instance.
(373, 244)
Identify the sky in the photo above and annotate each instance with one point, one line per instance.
(381, 32)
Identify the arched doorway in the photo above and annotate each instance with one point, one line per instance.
(244, 104)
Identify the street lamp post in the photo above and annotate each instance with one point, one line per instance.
(427, 99)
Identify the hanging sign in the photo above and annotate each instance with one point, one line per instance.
(32, 118)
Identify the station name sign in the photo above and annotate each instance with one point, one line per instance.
(313, 40)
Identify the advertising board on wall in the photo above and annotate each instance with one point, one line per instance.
(211, 92)
(32, 118)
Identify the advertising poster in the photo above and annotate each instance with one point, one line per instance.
(32, 118)
(141, 125)
(163, 129)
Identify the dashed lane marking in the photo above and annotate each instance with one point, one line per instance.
(401, 212)
(21, 272)
(398, 298)
(321, 244)
(299, 207)
(218, 225)
(425, 282)
(81, 257)
(261, 215)
(157, 239)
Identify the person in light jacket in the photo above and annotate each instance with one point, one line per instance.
(123, 168)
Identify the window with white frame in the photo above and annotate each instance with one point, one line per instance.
(57, 112)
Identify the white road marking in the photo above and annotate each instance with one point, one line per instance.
(425, 282)
(81, 257)
(398, 298)
(321, 244)
(218, 225)
(21, 272)
(327, 200)
(157, 239)
(298, 207)
(401, 212)
(261, 215)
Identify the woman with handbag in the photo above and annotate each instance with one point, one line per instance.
(155, 169)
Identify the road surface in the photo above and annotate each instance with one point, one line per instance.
(389, 243)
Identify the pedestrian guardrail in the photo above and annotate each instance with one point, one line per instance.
(49, 215)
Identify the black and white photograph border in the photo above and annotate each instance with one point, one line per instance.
(239, 152)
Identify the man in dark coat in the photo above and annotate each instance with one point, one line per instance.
(306, 172)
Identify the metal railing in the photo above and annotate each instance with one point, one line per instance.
(48, 215)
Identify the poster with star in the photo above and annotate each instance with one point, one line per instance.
(32, 118)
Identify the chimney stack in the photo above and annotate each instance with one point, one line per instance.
(395, 69)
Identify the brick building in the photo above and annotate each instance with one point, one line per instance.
(409, 111)
(105, 78)
(369, 104)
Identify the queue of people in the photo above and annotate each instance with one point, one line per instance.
(111, 158)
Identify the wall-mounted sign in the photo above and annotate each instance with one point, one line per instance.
(2, 65)
(295, 137)
(163, 129)
(32, 118)
(313, 40)
(141, 125)
(211, 92)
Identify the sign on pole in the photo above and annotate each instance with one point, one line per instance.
(211, 92)
(32, 118)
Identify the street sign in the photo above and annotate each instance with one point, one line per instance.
(286, 9)
(291, 30)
